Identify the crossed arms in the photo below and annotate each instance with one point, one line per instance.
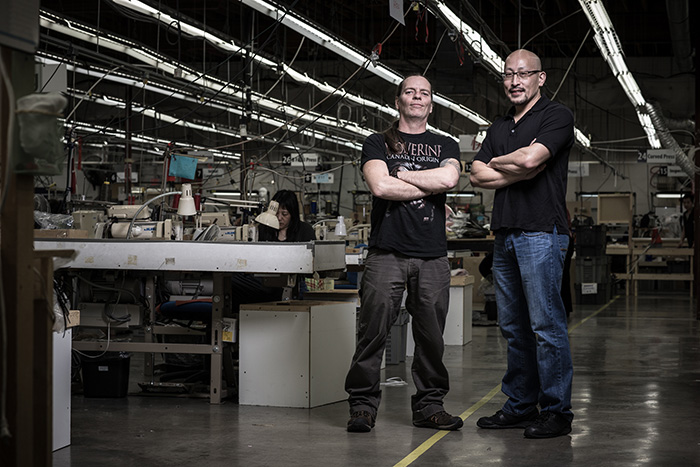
(409, 185)
(522, 164)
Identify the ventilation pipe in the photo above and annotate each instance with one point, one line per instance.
(669, 142)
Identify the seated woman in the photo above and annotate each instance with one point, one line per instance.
(250, 289)
(292, 228)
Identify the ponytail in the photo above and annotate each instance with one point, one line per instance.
(393, 140)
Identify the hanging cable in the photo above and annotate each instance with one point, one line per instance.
(573, 60)
(437, 48)
(284, 71)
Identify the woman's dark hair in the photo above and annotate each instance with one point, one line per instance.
(287, 200)
(392, 138)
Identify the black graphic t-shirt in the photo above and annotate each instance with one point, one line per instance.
(414, 228)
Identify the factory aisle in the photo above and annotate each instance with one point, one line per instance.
(636, 399)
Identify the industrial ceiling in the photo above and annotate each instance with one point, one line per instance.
(257, 86)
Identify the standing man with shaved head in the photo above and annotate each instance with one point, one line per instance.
(524, 157)
(408, 169)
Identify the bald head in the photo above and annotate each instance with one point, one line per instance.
(522, 79)
(530, 58)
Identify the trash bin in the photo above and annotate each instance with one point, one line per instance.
(105, 375)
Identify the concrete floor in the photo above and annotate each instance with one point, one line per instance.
(636, 399)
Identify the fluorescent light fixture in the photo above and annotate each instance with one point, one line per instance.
(667, 195)
(464, 194)
(226, 194)
(473, 39)
(587, 195)
(308, 30)
(272, 121)
(609, 45)
(216, 85)
(230, 46)
(483, 50)
(582, 139)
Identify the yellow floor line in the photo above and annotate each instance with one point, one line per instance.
(430, 442)
(441, 434)
(571, 329)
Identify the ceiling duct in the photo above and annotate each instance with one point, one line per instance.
(669, 142)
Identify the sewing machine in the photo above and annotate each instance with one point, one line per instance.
(149, 258)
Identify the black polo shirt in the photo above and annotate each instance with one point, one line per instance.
(538, 204)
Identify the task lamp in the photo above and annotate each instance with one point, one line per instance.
(269, 217)
(340, 229)
(185, 207)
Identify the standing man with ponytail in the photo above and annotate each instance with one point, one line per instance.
(408, 170)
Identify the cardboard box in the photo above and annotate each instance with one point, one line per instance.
(73, 318)
(471, 264)
(60, 233)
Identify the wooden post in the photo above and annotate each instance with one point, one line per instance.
(28, 359)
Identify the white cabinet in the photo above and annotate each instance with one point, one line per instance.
(458, 327)
(61, 388)
(295, 353)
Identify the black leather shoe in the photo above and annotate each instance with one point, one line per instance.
(440, 421)
(501, 420)
(360, 421)
(549, 425)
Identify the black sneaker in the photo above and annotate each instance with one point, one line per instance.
(440, 421)
(549, 425)
(501, 420)
(360, 422)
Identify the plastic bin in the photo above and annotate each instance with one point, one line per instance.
(593, 269)
(678, 267)
(601, 297)
(590, 240)
(106, 375)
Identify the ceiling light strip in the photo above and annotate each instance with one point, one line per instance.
(233, 48)
(219, 86)
(272, 121)
(308, 30)
(473, 39)
(609, 45)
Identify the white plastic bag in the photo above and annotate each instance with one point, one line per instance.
(40, 133)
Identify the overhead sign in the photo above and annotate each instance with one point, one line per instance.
(579, 169)
(396, 10)
(294, 160)
(657, 156)
(322, 178)
(675, 171)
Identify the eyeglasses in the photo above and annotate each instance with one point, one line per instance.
(508, 76)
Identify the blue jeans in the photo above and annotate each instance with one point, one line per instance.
(384, 280)
(527, 272)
